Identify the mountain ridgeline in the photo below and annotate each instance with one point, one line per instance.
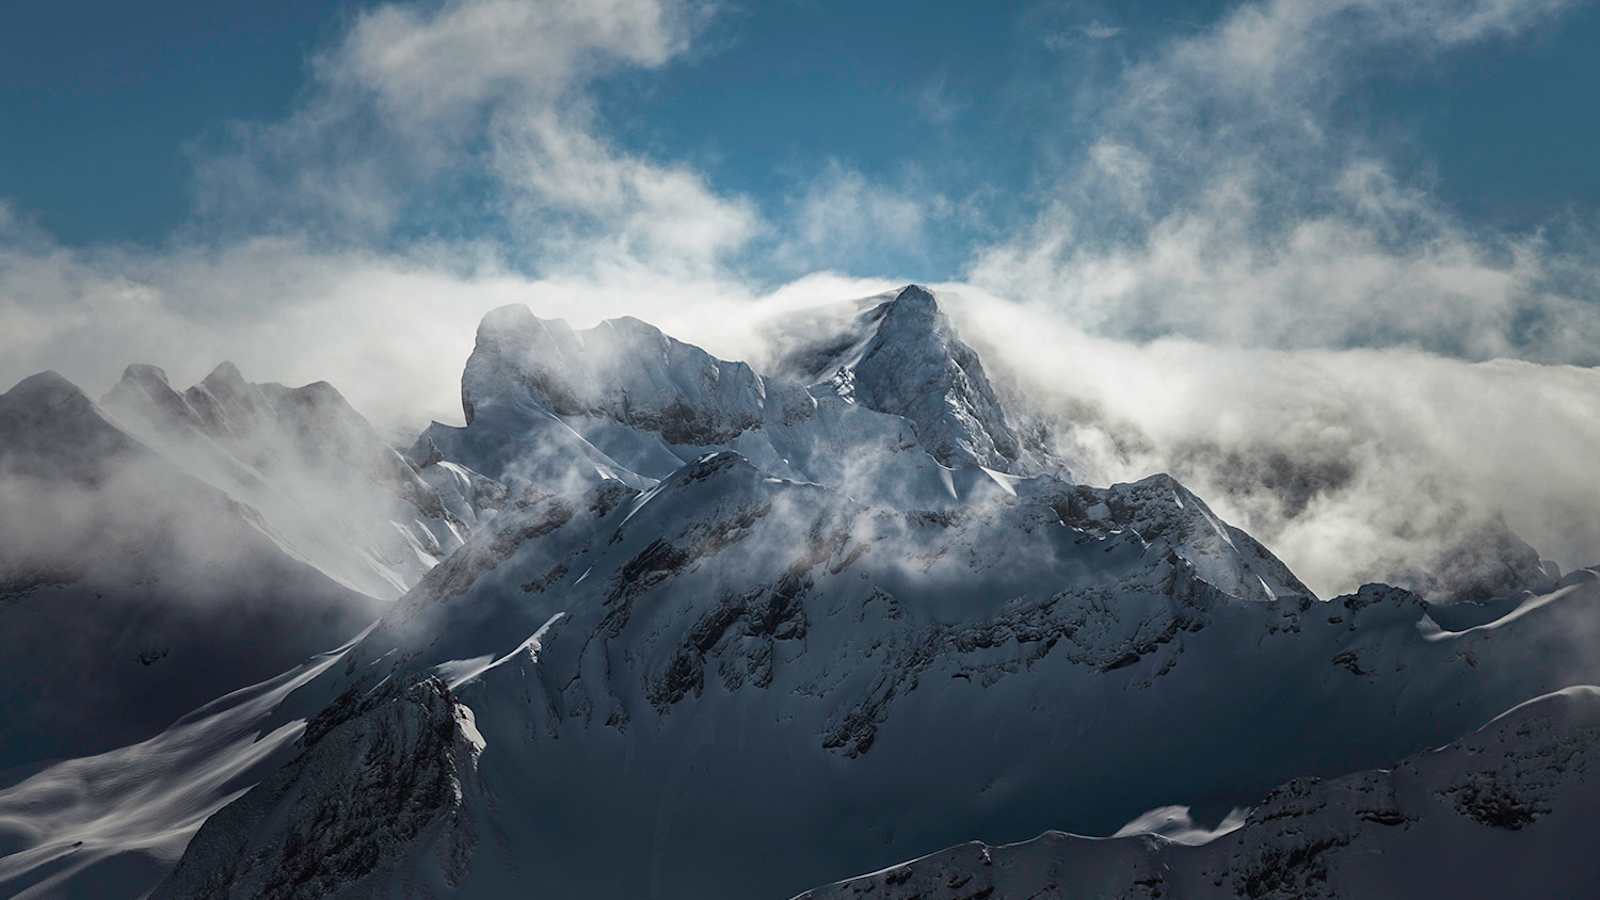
(670, 626)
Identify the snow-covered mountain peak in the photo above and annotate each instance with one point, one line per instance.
(712, 592)
(908, 418)
(913, 300)
(145, 374)
(622, 369)
(224, 381)
(902, 356)
(1503, 811)
(225, 375)
(52, 429)
(324, 479)
(131, 590)
(45, 389)
(144, 386)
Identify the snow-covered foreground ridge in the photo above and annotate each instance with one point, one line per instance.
(1507, 811)
(109, 825)
(734, 634)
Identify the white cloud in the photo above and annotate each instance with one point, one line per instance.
(935, 102)
(488, 99)
(429, 66)
(845, 216)
(1219, 201)
(1350, 464)
(1196, 289)
(593, 205)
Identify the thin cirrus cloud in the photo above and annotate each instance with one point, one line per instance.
(1219, 225)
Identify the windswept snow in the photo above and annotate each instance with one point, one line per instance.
(110, 824)
(1507, 811)
(892, 682)
(457, 672)
(131, 592)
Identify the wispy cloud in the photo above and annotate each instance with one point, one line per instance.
(1076, 36)
(1099, 31)
(417, 103)
(843, 216)
(1352, 465)
(1295, 312)
(1219, 200)
(937, 104)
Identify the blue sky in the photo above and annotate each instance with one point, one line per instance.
(975, 103)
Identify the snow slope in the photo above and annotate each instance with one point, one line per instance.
(131, 593)
(735, 635)
(901, 356)
(653, 674)
(111, 824)
(556, 408)
(325, 483)
(1507, 811)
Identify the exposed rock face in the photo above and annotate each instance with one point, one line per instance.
(623, 369)
(727, 643)
(1166, 514)
(378, 775)
(902, 357)
(547, 405)
(1502, 811)
(733, 635)
(1487, 563)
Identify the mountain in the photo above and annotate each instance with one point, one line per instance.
(705, 630)
(549, 405)
(325, 483)
(662, 672)
(690, 658)
(131, 592)
(1505, 811)
(111, 824)
(901, 356)
(1487, 562)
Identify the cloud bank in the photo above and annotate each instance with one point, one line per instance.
(1225, 283)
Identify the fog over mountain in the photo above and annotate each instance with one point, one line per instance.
(674, 571)
(653, 449)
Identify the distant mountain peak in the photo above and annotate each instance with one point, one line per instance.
(49, 427)
(902, 356)
(225, 373)
(46, 386)
(145, 390)
(144, 373)
(625, 369)
(915, 298)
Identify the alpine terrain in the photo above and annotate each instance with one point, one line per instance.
(652, 623)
